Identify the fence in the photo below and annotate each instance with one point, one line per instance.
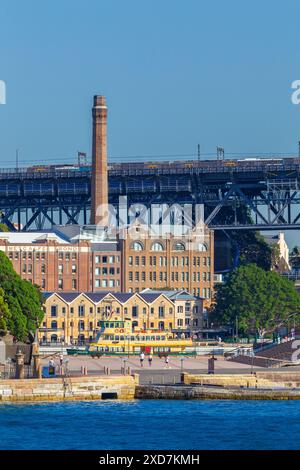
(8, 371)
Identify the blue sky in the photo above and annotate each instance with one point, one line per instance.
(175, 73)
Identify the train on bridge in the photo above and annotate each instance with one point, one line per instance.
(38, 195)
(239, 164)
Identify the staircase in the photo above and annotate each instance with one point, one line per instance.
(273, 355)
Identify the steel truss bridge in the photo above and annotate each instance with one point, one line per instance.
(268, 189)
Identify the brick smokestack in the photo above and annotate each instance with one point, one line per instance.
(99, 188)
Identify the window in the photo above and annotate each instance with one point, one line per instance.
(137, 246)
(135, 311)
(74, 255)
(60, 255)
(24, 268)
(81, 310)
(111, 283)
(97, 271)
(30, 268)
(130, 260)
(68, 256)
(97, 259)
(104, 283)
(157, 247)
(53, 311)
(60, 283)
(60, 269)
(111, 259)
(74, 268)
(161, 312)
(74, 284)
(179, 247)
(43, 269)
(43, 283)
(143, 260)
(97, 283)
(54, 325)
(202, 247)
(104, 259)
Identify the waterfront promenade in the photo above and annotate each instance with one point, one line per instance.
(158, 372)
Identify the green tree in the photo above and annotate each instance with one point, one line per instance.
(260, 301)
(252, 248)
(3, 227)
(5, 313)
(295, 257)
(23, 299)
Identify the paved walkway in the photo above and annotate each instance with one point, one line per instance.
(158, 372)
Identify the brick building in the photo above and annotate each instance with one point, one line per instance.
(74, 258)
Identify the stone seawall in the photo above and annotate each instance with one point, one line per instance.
(75, 388)
(187, 392)
(257, 380)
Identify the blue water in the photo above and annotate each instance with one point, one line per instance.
(151, 424)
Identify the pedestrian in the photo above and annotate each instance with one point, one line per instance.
(167, 361)
(142, 357)
(61, 359)
(150, 359)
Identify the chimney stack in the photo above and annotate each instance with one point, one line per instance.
(99, 183)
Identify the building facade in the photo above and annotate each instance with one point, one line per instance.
(73, 318)
(78, 259)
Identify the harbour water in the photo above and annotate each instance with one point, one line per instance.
(151, 424)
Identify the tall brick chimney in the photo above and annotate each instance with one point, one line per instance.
(99, 189)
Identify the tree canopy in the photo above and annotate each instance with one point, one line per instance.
(3, 227)
(260, 301)
(20, 302)
(251, 247)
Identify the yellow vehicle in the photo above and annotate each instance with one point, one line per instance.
(118, 337)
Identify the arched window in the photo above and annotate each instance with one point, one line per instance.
(161, 325)
(202, 247)
(53, 338)
(54, 325)
(157, 247)
(81, 325)
(179, 247)
(137, 246)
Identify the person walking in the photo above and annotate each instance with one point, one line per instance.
(142, 357)
(150, 359)
(167, 361)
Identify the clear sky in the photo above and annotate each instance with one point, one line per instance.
(175, 73)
